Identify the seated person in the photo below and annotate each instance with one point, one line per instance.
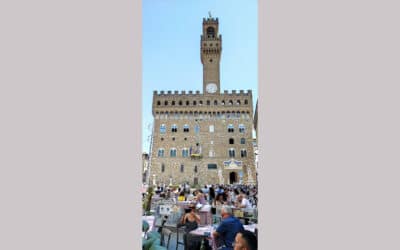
(191, 222)
(219, 200)
(242, 202)
(181, 196)
(245, 240)
(228, 228)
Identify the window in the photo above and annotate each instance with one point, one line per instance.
(200, 102)
(162, 167)
(182, 168)
(238, 102)
(172, 152)
(166, 103)
(212, 166)
(187, 103)
(230, 102)
(211, 153)
(163, 129)
(215, 102)
(241, 128)
(186, 128)
(242, 141)
(211, 128)
(243, 153)
(160, 152)
(208, 102)
(180, 103)
(231, 141)
(222, 102)
(246, 102)
(173, 103)
(231, 152)
(158, 103)
(194, 103)
(185, 152)
(210, 32)
(174, 128)
(196, 128)
(230, 128)
(195, 169)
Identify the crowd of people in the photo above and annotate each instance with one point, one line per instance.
(243, 196)
(229, 233)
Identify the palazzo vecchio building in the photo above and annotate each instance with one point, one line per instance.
(203, 138)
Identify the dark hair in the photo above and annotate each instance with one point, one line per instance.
(250, 239)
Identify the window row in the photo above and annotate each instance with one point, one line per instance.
(186, 128)
(200, 102)
(185, 152)
(182, 168)
(202, 115)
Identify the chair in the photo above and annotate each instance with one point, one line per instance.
(166, 233)
(180, 230)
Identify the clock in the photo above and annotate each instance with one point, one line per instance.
(211, 88)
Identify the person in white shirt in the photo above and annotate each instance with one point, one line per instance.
(243, 202)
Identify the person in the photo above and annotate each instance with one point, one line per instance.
(227, 229)
(191, 221)
(211, 194)
(242, 202)
(200, 197)
(245, 240)
(219, 201)
(181, 196)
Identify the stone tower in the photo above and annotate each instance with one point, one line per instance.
(203, 138)
(210, 53)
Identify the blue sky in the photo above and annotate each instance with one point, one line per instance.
(171, 48)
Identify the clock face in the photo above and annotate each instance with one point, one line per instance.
(211, 88)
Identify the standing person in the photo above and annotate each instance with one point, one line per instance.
(211, 194)
(227, 230)
(245, 240)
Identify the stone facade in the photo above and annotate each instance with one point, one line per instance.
(203, 138)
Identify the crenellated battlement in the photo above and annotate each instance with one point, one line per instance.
(176, 93)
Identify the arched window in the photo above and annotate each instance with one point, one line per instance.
(194, 103)
(174, 128)
(185, 152)
(210, 32)
(200, 102)
(166, 103)
(241, 128)
(230, 102)
(238, 102)
(162, 167)
(173, 103)
(231, 141)
(246, 102)
(242, 141)
(231, 153)
(230, 128)
(160, 152)
(180, 103)
(187, 103)
(163, 129)
(243, 153)
(208, 102)
(222, 102)
(172, 152)
(186, 128)
(158, 103)
(215, 102)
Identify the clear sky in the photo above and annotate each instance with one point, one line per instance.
(171, 48)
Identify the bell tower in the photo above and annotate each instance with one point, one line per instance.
(210, 52)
